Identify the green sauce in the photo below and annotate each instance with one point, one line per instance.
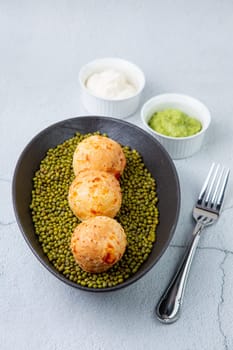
(175, 123)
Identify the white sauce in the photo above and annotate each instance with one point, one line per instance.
(110, 84)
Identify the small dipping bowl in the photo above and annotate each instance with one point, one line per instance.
(178, 147)
(118, 108)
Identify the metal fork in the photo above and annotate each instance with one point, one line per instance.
(205, 212)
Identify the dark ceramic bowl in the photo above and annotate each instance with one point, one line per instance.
(155, 158)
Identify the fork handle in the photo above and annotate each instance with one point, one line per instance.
(169, 306)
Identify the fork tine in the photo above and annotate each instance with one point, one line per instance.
(205, 185)
(213, 189)
(211, 184)
(214, 198)
(222, 189)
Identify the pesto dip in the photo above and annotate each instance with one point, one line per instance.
(175, 123)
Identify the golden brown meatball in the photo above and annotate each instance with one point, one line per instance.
(98, 243)
(99, 153)
(94, 193)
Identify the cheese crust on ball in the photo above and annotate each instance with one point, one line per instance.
(98, 243)
(95, 193)
(99, 153)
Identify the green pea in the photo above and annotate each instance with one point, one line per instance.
(54, 222)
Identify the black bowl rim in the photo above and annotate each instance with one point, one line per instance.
(57, 274)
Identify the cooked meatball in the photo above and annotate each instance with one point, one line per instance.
(99, 153)
(94, 193)
(98, 243)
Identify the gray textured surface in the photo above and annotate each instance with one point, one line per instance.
(182, 47)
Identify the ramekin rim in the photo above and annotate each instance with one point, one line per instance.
(138, 92)
(170, 94)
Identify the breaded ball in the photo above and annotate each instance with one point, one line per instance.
(98, 243)
(94, 193)
(99, 153)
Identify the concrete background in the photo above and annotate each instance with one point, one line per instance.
(181, 46)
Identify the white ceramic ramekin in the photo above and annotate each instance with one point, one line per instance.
(119, 108)
(178, 147)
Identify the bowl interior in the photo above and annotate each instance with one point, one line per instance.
(155, 158)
